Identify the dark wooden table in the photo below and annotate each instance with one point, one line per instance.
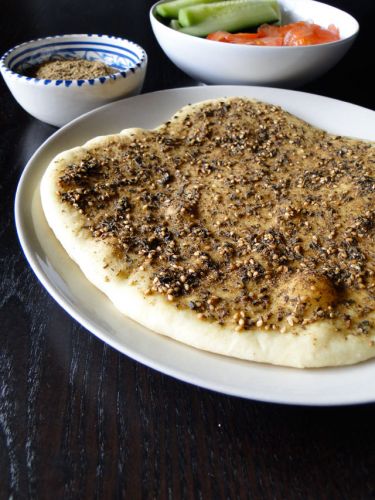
(80, 420)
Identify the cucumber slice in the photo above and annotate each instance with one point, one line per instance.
(174, 24)
(170, 9)
(231, 15)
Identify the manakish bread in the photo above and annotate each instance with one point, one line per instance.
(235, 228)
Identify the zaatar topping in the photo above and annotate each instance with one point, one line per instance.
(241, 213)
(70, 69)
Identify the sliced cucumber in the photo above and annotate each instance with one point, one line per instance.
(230, 15)
(170, 9)
(174, 24)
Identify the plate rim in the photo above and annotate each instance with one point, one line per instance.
(113, 342)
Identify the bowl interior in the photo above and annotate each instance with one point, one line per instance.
(319, 13)
(121, 54)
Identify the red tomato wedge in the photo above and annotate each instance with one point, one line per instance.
(295, 34)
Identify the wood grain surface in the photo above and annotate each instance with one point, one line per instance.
(79, 420)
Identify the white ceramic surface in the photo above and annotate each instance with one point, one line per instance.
(60, 101)
(288, 67)
(66, 283)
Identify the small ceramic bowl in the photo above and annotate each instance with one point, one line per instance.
(224, 63)
(59, 101)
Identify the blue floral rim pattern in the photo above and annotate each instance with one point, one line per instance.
(126, 57)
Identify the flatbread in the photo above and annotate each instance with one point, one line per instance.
(235, 228)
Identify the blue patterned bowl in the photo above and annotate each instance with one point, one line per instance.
(59, 101)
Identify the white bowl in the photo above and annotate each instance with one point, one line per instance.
(59, 101)
(224, 63)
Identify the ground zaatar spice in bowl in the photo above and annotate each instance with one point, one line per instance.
(70, 69)
(58, 78)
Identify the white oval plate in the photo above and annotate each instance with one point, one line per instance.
(68, 286)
